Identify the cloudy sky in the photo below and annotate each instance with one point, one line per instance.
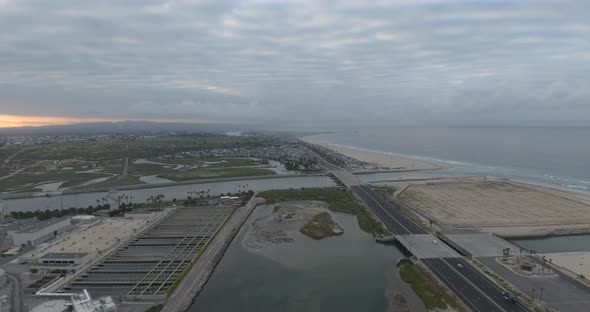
(296, 63)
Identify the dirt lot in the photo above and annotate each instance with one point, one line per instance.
(500, 206)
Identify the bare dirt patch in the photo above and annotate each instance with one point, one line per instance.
(282, 224)
(500, 206)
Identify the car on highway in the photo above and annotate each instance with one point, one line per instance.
(435, 242)
(460, 265)
(509, 297)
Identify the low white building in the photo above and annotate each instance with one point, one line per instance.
(38, 232)
(85, 303)
(69, 261)
(83, 218)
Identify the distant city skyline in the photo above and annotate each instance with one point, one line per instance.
(296, 63)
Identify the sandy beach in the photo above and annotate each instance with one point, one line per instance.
(381, 161)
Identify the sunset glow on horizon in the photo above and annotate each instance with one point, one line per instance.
(10, 121)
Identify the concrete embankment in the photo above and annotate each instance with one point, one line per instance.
(195, 280)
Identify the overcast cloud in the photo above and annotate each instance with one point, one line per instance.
(298, 62)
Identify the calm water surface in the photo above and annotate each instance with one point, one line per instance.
(344, 273)
(556, 244)
(170, 192)
(554, 156)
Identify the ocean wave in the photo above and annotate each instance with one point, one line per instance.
(455, 162)
(579, 187)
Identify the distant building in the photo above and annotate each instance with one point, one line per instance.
(35, 233)
(230, 200)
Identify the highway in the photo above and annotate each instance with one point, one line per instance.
(392, 217)
(477, 291)
(471, 286)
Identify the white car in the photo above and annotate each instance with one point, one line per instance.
(460, 265)
(435, 242)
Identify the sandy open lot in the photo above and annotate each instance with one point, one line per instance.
(381, 160)
(98, 236)
(503, 207)
(576, 262)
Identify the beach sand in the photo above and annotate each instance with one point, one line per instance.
(382, 161)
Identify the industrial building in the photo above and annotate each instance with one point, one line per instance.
(148, 265)
(78, 303)
(62, 261)
(85, 303)
(35, 233)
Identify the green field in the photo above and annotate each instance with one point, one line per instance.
(215, 173)
(118, 181)
(147, 169)
(186, 162)
(338, 199)
(231, 162)
(24, 179)
(221, 162)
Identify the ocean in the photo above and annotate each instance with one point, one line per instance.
(549, 156)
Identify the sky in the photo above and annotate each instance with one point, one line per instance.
(303, 64)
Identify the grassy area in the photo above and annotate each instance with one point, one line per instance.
(429, 292)
(231, 162)
(147, 169)
(215, 173)
(186, 162)
(114, 166)
(117, 181)
(25, 179)
(338, 199)
(321, 226)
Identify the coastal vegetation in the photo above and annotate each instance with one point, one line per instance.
(42, 215)
(338, 199)
(216, 173)
(321, 226)
(432, 295)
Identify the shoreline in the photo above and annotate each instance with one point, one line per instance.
(382, 161)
